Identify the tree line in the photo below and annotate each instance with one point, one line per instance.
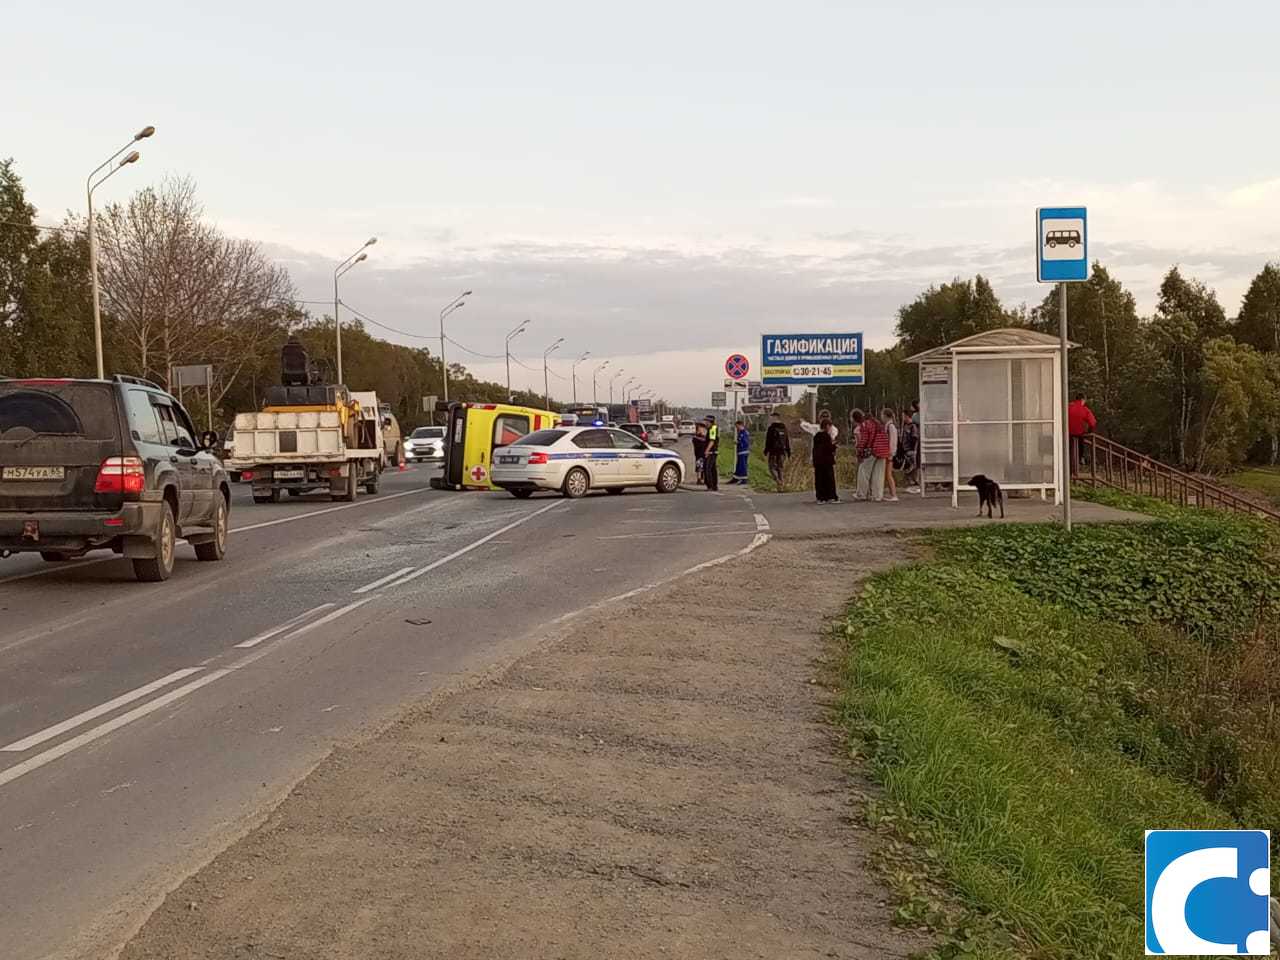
(1186, 385)
(176, 290)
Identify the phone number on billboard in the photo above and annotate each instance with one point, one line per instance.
(800, 371)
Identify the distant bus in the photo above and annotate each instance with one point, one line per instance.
(584, 415)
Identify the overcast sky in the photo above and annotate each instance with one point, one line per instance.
(659, 183)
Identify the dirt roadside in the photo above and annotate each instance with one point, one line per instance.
(646, 783)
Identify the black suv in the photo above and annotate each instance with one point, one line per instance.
(91, 464)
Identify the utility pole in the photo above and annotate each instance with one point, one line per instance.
(338, 271)
(573, 372)
(595, 396)
(546, 384)
(511, 336)
(89, 187)
(454, 304)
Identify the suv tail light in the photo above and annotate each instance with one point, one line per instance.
(120, 475)
(537, 458)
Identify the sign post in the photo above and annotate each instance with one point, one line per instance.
(194, 375)
(1062, 257)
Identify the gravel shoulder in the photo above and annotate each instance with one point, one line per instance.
(656, 779)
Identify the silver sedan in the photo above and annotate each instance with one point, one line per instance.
(574, 460)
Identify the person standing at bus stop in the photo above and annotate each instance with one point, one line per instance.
(710, 470)
(1080, 423)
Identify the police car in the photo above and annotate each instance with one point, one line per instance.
(574, 460)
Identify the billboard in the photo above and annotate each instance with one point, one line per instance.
(811, 358)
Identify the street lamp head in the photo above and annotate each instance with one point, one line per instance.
(363, 256)
(144, 133)
(371, 241)
(131, 158)
(466, 293)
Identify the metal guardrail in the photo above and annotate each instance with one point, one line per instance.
(1114, 465)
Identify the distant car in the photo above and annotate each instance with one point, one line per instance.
(670, 432)
(575, 460)
(636, 430)
(687, 428)
(107, 464)
(654, 430)
(425, 443)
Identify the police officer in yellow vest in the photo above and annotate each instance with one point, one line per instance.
(710, 472)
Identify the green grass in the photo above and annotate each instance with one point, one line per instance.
(1034, 702)
(1264, 480)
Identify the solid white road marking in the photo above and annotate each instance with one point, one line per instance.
(48, 733)
(282, 628)
(54, 568)
(95, 733)
(676, 533)
(761, 522)
(471, 546)
(379, 582)
(328, 618)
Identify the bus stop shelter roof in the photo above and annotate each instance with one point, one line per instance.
(1005, 338)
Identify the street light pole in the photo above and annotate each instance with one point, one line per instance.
(614, 379)
(595, 399)
(89, 187)
(338, 271)
(511, 336)
(573, 372)
(455, 304)
(546, 384)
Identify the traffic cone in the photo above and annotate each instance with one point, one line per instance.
(403, 466)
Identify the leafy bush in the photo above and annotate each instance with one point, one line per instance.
(1207, 573)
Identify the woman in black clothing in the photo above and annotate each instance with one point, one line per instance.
(824, 462)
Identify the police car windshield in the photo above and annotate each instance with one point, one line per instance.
(539, 438)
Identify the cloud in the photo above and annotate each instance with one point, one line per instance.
(668, 307)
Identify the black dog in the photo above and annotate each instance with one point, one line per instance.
(989, 493)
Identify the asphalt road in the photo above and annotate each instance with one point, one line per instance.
(144, 726)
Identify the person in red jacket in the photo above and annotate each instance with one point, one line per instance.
(872, 444)
(1080, 423)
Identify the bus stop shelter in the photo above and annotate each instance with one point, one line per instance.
(992, 404)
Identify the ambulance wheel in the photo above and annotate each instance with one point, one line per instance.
(576, 483)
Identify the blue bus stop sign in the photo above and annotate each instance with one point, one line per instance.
(1062, 244)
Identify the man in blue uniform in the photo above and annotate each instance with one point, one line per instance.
(744, 452)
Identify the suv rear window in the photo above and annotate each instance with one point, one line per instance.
(539, 438)
(73, 409)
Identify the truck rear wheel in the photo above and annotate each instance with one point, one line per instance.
(349, 489)
(371, 487)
